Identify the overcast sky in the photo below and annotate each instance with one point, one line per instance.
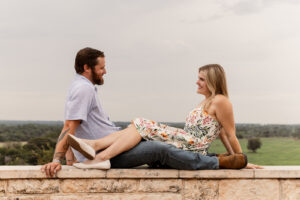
(153, 51)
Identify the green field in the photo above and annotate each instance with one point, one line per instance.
(274, 151)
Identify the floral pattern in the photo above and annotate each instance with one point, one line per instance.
(199, 131)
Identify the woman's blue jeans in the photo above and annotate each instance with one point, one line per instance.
(162, 155)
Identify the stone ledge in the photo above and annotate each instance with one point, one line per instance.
(29, 183)
(33, 172)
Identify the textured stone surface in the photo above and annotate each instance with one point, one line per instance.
(290, 189)
(278, 172)
(201, 189)
(2, 187)
(98, 185)
(142, 197)
(142, 173)
(28, 183)
(249, 189)
(21, 197)
(81, 173)
(118, 196)
(26, 172)
(160, 185)
(217, 174)
(99, 196)
(78, 197)
(32, 186)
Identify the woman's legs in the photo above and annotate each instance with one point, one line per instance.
(104, 142)
(119, 143)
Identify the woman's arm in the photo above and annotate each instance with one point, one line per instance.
(224, 114)
(225, 142)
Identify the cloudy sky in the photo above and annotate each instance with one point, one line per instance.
(153, 51)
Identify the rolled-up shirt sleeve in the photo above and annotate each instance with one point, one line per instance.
(78, 105)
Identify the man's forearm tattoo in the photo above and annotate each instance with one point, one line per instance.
(62, 135)
(59, 155)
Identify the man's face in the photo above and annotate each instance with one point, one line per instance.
(99, 71)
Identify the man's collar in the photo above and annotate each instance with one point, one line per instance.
(86, 79)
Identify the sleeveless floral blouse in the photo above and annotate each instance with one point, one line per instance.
(199, 131)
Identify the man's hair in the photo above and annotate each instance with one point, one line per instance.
(87, 56)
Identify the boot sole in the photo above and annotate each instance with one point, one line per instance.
(81, 147)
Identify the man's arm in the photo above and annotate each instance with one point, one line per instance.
(70, 158)
(61, 148)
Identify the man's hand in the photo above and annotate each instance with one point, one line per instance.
(253, 166)
(51, 169)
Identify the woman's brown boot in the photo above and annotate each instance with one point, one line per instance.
(235, 161)
(222, 154)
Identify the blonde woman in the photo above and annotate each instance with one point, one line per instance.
(213, 117)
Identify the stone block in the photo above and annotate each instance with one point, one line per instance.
(290, 189)
(33, 186)
(77, 196)
(201, 189)
(142, 197)
(2, 187)
(81, 173)
(98, 185)
(160, 185)
(216, 174)
(28, 197)
(34, 172)
(118, 196)
(278, 172)
(16, 172)
(237, 189)
(142, 173)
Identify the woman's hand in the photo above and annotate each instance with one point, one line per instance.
(253, 166)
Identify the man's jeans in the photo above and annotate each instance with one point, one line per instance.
(155, 153)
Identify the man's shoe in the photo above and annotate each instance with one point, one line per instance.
(235, 161)
(99, 165)
(82, 147)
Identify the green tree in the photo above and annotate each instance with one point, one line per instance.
(254, 144)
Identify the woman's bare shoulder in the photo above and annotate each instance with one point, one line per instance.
(221, 100)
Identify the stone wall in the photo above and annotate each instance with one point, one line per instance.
(28, 183)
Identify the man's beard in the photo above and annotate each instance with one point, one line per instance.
(96, 79)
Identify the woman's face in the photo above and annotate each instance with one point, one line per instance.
(202, 86)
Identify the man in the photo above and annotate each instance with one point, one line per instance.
(85, 118)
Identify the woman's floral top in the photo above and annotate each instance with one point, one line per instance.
(199, 131)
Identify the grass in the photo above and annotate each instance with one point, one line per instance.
(274, 151)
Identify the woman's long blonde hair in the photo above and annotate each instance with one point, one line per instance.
(215, 80)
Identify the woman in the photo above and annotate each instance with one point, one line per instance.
(212, 117)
